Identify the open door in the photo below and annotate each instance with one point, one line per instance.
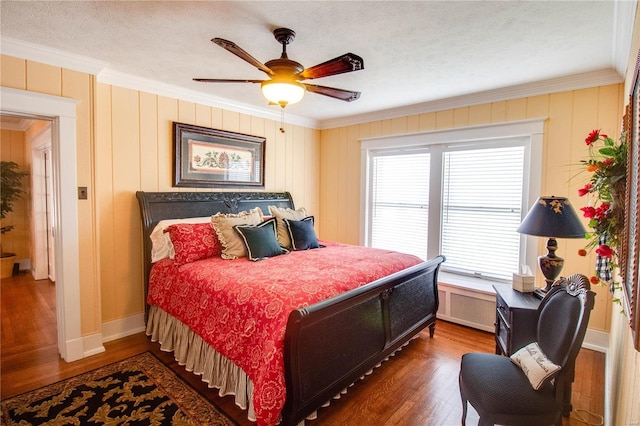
(43, 265)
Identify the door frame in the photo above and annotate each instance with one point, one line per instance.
(62, 112)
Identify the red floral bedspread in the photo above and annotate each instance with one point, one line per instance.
(241, 307)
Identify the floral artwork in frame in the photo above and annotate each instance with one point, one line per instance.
(212, 158)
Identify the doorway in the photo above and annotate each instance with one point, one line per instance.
(62, 114)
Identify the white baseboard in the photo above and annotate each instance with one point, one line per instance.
(596, 340)
(92, 344)
(122, 327)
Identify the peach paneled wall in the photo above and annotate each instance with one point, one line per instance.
(134, 152)
(570, 117)
(17, 240)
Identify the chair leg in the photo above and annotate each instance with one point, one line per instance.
(464, 411)
(464, 400)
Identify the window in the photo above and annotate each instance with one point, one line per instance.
(400, 197)
(451, 193)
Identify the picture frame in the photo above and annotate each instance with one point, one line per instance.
(212, 158)
(630, 251)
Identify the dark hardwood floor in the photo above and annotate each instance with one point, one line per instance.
(418, 386)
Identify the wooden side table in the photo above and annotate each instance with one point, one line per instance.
(516, 319)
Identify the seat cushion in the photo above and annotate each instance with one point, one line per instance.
(495, 385)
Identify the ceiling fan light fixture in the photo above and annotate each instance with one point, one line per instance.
(283, 93)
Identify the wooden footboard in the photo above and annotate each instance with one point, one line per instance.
(331, 344)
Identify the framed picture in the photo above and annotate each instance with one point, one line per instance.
(630, 253)
(211, 158)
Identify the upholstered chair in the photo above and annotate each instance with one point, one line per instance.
(500, 390)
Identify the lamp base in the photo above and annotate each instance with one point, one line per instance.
(550, 264)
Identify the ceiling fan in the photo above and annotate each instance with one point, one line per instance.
(284, 86)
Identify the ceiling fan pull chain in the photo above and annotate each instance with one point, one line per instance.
(282, 120)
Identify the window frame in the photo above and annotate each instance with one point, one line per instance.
(531, 132)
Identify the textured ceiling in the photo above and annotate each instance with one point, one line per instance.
(414, 52)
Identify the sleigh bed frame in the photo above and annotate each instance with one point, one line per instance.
(331, 344)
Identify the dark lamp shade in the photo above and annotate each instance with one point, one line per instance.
(552, 217)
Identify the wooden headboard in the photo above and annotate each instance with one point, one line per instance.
(157, 206)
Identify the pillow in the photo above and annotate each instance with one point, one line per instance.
(535, 364)
(193, 241)
(260, 240)
(281, 213)
(161, 245)
(232, 245)
(302, 234)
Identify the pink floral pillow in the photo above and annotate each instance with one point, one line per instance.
(193, 241)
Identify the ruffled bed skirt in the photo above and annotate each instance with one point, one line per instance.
(201, 359)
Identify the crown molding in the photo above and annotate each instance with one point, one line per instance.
(623, 22)
(50, 56)
(560, 84)
(129, 81)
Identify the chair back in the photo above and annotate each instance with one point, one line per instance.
(563, 316)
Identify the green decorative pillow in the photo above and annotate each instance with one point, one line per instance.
(281, 213)
(302, 234)
(260, 240)
(534, 364)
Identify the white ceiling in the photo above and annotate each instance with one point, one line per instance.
(417, 54)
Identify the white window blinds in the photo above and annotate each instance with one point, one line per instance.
(481, 209)
(399, 197)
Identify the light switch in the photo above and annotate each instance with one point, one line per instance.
(82, 193)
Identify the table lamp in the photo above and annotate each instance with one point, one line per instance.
(552, 217)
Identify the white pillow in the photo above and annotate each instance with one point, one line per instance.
(535, 364)
(161, 245)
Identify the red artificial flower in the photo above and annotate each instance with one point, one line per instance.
(604, 251)
(585, 190)
(602, 211)
(588, 212)
(593, 136)
(602, 135)
(607, 161)
(582, 252)
(594, 279)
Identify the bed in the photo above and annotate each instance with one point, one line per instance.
(327, 345)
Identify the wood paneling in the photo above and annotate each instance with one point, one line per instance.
(13, 148)
(13, 72)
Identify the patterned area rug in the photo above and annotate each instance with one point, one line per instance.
(139, 390)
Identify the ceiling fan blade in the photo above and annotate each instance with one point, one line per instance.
(332, 92)
(236, 50)
(345, 63)
(225, 80)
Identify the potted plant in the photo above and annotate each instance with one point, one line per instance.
(10, 191)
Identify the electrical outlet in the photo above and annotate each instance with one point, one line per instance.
(82, 193)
